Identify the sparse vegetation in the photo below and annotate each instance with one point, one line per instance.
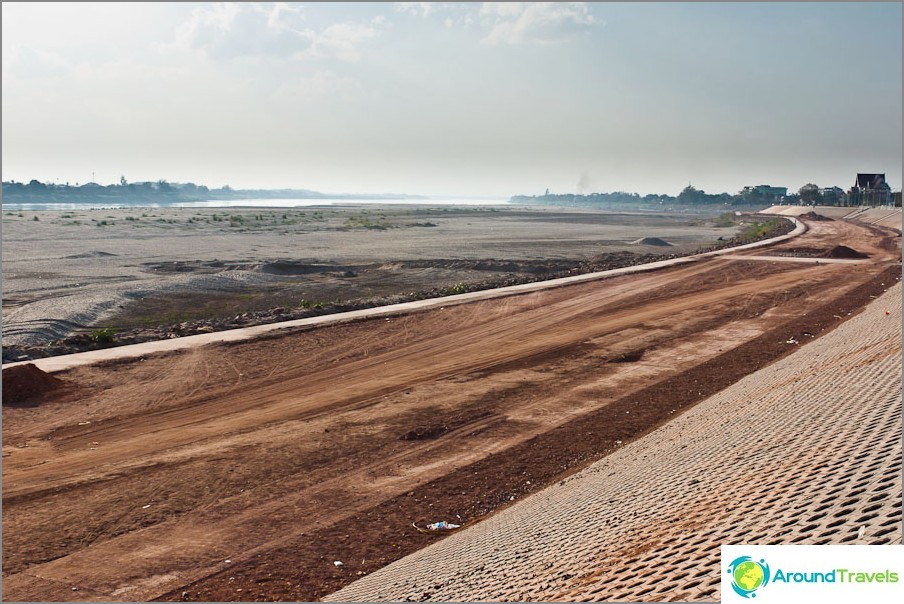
(308, 304)
(103, 336)
(364, 221)
(725, 219)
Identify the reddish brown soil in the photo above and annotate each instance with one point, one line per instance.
(843, 251)
(243, 471)
(27, 385)
(491, 484)
(814, 216)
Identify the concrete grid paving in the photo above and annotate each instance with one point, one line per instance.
(805, 451)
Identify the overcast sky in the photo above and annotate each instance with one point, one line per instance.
(454, 99)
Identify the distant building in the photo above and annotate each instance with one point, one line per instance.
(833, 196)
(870, 190)
(765, 193)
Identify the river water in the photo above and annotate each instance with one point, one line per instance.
(261, 203)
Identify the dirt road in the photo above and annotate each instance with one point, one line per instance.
(245, 471)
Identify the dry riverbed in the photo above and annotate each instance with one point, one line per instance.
(81, 279)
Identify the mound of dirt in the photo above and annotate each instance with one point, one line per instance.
(803, 252)
(811, 215)
(652, 241)
(844, 252)
(629, 357)
(24, 384)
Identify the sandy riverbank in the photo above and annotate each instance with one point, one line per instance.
(80, 270)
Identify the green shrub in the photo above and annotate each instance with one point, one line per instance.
(103, 336)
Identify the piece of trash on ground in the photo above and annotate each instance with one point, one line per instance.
(442, 525)
(338, 562)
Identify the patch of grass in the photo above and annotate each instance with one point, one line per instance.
(363, 221)
(103, 336)
(761, 229)
(726, 219)
(309, 304)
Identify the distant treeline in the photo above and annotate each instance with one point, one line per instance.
(688, 197)
(157, 192)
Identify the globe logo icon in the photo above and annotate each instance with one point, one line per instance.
(748, 575)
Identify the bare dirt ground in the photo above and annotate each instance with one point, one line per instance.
(150, 273)
(245, 471)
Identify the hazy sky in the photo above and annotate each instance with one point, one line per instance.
(450, 98)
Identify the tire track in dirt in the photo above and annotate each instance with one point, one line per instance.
(367, 393)
(556, 326)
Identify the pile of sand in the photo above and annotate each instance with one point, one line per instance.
(652, 241)
(811, 215)
(24, 384)
(843, 251)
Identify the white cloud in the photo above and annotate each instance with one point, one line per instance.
(426, 9)
(422, 8)
(232, 30)
(343, 40)
(275, 31)
(509, 22)
(534, 22)
(503, 9)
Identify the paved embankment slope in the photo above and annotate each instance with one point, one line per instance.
(806, 451)
(884, 216)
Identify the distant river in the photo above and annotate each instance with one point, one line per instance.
(261, 203)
